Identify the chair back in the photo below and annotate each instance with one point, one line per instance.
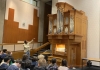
(2, 69)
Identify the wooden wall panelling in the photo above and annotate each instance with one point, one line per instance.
(78, 22)
(31, 33)
(11, 14)
(18, 54)
(36, 21)
(19, 35)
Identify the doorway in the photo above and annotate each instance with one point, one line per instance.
(47, 10)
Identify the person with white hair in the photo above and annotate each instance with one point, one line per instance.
(41, 65)
(41, 56)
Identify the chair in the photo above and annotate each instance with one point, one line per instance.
(32, 67)
(23, 65)
(2, 69)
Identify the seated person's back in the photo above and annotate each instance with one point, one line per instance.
(63, 65)
(4, 53)
(15, 66)
(5, 64)
(34, 60)
(26, 62)
(53, 65)
(9, 54)
(41, 65)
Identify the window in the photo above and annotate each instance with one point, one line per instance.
(33, 2)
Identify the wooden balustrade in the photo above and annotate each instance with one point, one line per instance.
(19, 53)
(42, 46)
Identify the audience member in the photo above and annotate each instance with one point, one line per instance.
(26, 63)
(41, 65)
(4, 53)
(15, 66)
(9, 54)
(34, 61)
(5, 64)
(40, 56)
(63, 65)
(0, 52)
(25, 58)
(53, 65)
(0, 56)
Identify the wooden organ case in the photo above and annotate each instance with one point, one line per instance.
(68, 34)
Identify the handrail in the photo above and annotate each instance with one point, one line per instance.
(14, 46)
(19, 54)
(16, 43)
(42, 46)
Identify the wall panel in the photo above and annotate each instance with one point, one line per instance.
(12, 33)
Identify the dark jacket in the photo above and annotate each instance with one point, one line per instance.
(26, 64)
(39, 68)
(52, 67)
(12, 67)
(12, 59)
(3, 55)
(4, 66)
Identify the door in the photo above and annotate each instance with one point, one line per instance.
(73, 55)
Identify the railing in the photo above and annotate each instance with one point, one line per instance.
(18, 46)
(42, 46)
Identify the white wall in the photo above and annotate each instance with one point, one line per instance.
(92, 10)
(23, 12)
(54, 8)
